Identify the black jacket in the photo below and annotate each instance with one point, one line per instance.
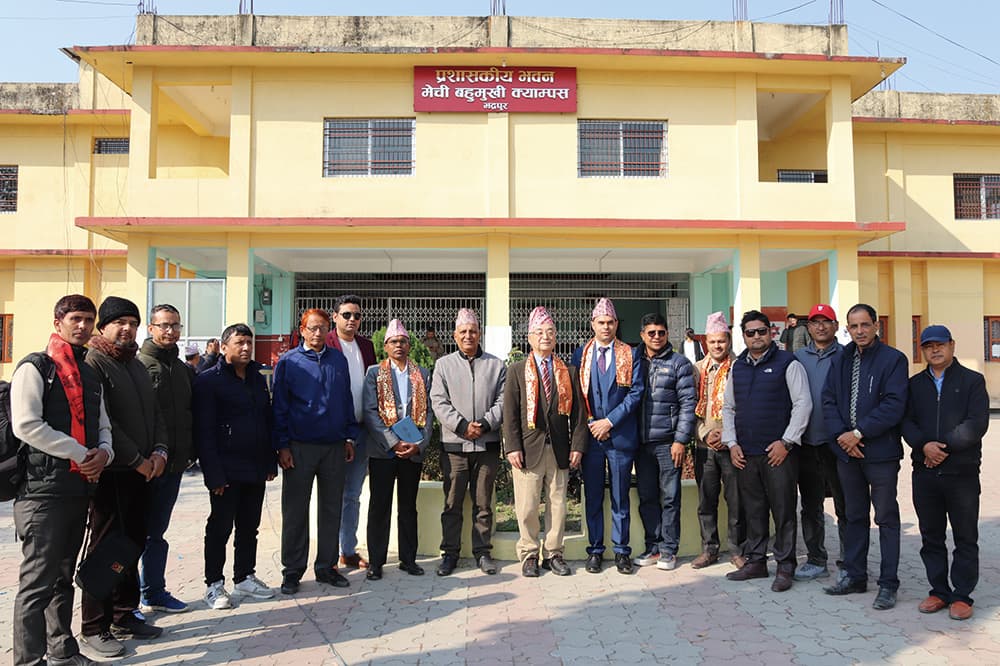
(172, 380)
(958, 418)
(666, 414)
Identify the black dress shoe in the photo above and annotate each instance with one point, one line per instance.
(289, 584)
(782, 580)
(749, 571)
(557, 565)
(594, 561)
(411, 568)
(373, 573)
(847, 586)
(448, 564)
(624, 563)
(487, 565)
(332, 577)
(529, 568)
(885, 599)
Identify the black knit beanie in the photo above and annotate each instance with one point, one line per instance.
(113, 308)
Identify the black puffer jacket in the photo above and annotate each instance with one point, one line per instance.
(667, 411)
(172, 380)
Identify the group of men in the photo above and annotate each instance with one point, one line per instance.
(108, 428)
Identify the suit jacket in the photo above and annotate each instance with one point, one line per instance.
(566, 433)
(619, 404)
(381, 438)
(364, 345)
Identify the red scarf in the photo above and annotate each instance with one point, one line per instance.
(68, 372)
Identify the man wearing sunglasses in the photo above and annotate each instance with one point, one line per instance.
(765, 410)
(360, 353)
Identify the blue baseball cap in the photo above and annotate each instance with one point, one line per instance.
(935, 333)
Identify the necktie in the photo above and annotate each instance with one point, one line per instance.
(546, 379)
(602, 360)
(855, 380)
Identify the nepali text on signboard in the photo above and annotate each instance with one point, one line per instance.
(495, 89)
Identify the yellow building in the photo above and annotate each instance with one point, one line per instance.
(246, 167)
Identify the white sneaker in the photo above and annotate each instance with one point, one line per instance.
(216, 596)
(252, 586)
(667, 562)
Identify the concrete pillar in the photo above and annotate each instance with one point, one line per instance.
(746, 284)
(701, 300)
(902, 305)
(747, 159)
(497, 336)
(843, 268)
(840, 146)
(138, 270)
(144, 121)
(239, 276)
(240, 142)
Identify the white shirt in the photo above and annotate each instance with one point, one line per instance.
(356, 368)
(689, 350)
(403, 382)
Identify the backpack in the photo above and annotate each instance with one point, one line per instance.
(12, 453)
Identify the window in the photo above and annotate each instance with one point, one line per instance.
(915, 329)
(8, 189)
(6, 338)
(368, 147)
(991, 336)
(883, 328)
(632, 148)
(977, 196)
(801, 176)
(111, 146)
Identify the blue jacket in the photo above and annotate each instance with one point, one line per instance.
(667, 411)
(817, 364)
(619, 404)
(881, 401)
(312, 398)
(232, 425)
(763, 402)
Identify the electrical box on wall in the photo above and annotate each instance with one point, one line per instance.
(259, 317)
(265, 296)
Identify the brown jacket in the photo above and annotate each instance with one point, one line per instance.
(566, 433)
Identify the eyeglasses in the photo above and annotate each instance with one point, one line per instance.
(656, 334)
(318, 329)
(751, 332)
(350, 315)
(168, 327)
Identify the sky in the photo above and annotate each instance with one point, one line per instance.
(949, 46)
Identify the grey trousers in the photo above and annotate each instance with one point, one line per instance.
(51, 533)
(324, 464)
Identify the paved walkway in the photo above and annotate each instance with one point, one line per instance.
(683, 616)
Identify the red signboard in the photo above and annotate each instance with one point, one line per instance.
(495, 89)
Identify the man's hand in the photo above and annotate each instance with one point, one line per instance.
(574, 459)
(934, 454)
(272, 476)
(145, 468)
(851, 445)
(474, 430)
(677, 451)
(159, 465)
(93, 464)
(776, 453)
(516, 459)
(348, 451)
(285, 460)
(713, 440)
(736, 456)
(600, 429)
(219, 490)
(406, 450)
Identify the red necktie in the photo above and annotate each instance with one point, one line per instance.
(546, 379)
(602, 360)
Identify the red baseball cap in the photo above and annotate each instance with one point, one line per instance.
(823, 310)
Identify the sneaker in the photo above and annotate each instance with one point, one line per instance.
(667, 562)
(252, 586)
(810, 571)
(651, 556)
(165, 603)
(77, 659)
(103, 645)
(133, 627)
(216, 596)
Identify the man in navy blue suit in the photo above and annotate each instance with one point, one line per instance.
(612, 384)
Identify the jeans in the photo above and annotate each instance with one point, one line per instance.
(238, 506)
(658, 482)
(354, 479)
(865, 485)
(162, 496)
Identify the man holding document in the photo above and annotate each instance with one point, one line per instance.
(399, 420)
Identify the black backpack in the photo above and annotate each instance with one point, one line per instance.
(12, 454)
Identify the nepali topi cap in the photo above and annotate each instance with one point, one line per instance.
(604, 308)
(716, 323)
(539, 317)
(466, 317)
(396, 329)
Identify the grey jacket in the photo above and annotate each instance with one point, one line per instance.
(817, 364)
(466, 390)
(381, 438)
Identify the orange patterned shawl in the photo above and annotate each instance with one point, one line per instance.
(718, 389)
(623, 368)
(387, 399)
(532, 384)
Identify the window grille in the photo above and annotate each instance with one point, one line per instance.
(977, 196)
(8, 189)
(6, 338)
(111, 146)
(628, 148)
(368, 147)
(991, 339)
(802, 176)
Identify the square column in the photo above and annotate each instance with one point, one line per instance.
(139, 269)
(746, 284)
(844, 290)
(239, 275)
(497, 335)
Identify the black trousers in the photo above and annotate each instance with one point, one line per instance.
(477, 473)
(383, 475)
(714, 471)
(238, 506)
(770, 491)
(323, 464)
(817, 473)
(867, 485)
(51, 532)
(121, 502)
(940, 499)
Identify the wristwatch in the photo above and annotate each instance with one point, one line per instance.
(349, 441)
(856, 433)
(788, 445)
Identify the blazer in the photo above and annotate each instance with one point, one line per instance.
(620, 403)
(566, 433)
(365, 346)
(381, 438)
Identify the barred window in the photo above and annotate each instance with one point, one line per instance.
(802, 176)
(977, 196)
(8, 189)
(6, 338)
(368, 147)
(631, 148)
(991, 338)
(111, 146)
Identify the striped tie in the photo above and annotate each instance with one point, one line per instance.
(602, 360)
(855, 380)
(546, 379)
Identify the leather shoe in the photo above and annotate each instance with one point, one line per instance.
(289, 584)
(487, 565)
(373, 573)
(594, 561)
(748, 571)
(557, 565)
(332, 577)
(959, 610)
(847, 586)
(885, 599)
(529, 568)
(411, 568)
(782, 580)
(932, 604)
(448, 564)
(706, 559)
(354, 561)
(624, 563)
(738, 561)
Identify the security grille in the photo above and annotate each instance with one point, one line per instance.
(368, 146)
(622, 148)
(977, 196)
(111, 146)
(8, 189)
(802, 176)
